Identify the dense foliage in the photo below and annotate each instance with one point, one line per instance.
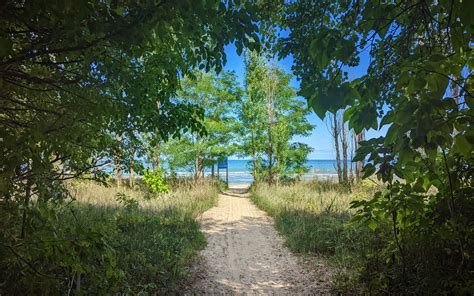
(75, 73)
(419, 82)
(313, 218)
(108, 241)
(259, 120)
(86, 83)
(81, 82)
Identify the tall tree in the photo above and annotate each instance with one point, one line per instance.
(271, 116)
(217, 95)
(336, 131)
(253, 114)
(344, 145)
(69, 71)
(358, 139)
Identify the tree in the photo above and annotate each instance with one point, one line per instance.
(417, 49)
(358, 139)
(67, 84)
(339, 131)
(217, 95)
(271, 116)
(335, 130)
(252, 115)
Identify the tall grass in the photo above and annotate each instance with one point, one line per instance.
(313, 217)
(186, 198)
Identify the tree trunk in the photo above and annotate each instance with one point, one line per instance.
(455, 90)
(354, 149)
(132, 162)
(351, 139)
(270, 157)
(118, 166)
(256, 178)
(26, 204)
(360, 164)
(197, 163)
(156, 160)
(270, 112)
(212, 169)
(336, 145)
(344, 151)
(156, 151)
(255, 172)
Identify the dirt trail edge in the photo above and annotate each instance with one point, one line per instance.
(246, 255)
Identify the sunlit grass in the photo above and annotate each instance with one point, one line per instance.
(313, 217)
(186, 198)
(315, 197)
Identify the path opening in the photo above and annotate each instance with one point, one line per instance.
(245, 254)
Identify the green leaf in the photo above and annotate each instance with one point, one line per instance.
(387, 119)
(463, 146)
(392, 133)
(373, 224)
(6, 47)
(368, 170)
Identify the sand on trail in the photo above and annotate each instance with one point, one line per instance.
(246, 255)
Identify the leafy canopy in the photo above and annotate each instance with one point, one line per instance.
(419, 83)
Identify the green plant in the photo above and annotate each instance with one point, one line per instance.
(128, 203)
(81, 82)
(418, 84)
(271, 116)
(155, 181)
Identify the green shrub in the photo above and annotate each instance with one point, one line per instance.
(155, 181)
(427, 249)
(154, 250)
(59, 252)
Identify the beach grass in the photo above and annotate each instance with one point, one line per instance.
(314, 216)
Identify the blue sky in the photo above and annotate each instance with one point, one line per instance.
(320, 139)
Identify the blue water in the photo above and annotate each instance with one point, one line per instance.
(239, 170)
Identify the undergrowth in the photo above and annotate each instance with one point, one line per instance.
(104, 241)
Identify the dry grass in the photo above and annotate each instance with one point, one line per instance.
(187, 198)
(307, 196)
(155, 236)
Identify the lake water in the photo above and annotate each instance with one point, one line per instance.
(239, 170)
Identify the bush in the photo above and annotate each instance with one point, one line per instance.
(426, 250)
(59, 252)
(155, 181)
(400, 240)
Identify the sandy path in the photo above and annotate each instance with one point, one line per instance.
(246, 255)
